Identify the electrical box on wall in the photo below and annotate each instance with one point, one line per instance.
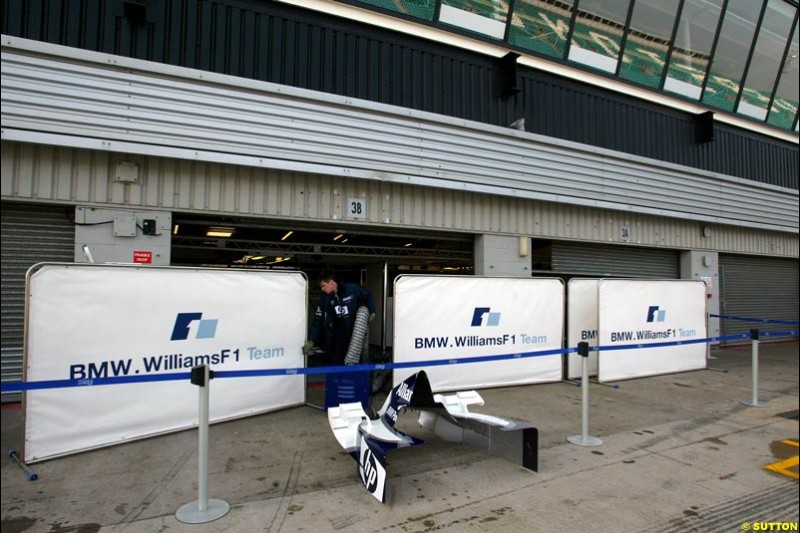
(122, 236)
(125, 226)
(127, 172)
(149, 226)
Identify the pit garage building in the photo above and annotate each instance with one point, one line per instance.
(556, 138)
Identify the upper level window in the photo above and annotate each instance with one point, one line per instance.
(648, 41)
(703, 50)
(541, 26)
(597, 36)
(784, 107)
(735, 41)
(767, 55)
(694, 39)
(487, 17)
(416, 8)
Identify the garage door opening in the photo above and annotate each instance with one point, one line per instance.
(369, 256)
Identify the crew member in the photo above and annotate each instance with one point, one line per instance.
(332, 326)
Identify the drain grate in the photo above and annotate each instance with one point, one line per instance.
(791, 415)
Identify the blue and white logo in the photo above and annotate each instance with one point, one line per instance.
(206, 329)
(492, 319)
(654, 314)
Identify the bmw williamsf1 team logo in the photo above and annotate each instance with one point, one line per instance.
(483, 316)
(206, 328)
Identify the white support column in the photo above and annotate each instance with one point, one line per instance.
(704, 266)
(500, 255)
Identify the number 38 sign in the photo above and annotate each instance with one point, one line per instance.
(356, 208)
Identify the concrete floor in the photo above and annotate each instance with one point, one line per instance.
(680, 453)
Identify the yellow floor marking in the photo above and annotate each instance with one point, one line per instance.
(782, 467)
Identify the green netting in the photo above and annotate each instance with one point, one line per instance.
(718, 95)
(783, 112)
(596, 39)
(683, 70)
(416, 8)
(642, 64)
(539, 30)
(485, 8)
(756, 97)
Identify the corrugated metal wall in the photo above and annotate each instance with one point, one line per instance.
(599, 260)
(291, 46)
(758, 287)
(568, 110)
(89, 103)
(86, 177)
(30, 234)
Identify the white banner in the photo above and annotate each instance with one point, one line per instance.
(96, 321)
(642, 312)
(581, 323)
(442, 317)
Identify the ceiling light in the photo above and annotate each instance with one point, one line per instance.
(219, 232)
(338, 237)
(247, 258)
(288, 234)
(175, 229)
(408, 244)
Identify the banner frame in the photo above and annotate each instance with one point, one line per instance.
(705, 325)
(37, 267)
(593, 354)
(456, 276)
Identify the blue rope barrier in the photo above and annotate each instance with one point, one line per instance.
(787, 333)
(70, 383)
(315, 370)
(759, 320)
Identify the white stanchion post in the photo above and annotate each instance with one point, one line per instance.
(584, 439)
(203, 510)
(754, 401)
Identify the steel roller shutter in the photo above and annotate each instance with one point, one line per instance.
(757, 287)
(601, 260)
(31, 234)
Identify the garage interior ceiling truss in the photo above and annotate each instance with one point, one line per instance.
(257, 244)
(271, 248)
